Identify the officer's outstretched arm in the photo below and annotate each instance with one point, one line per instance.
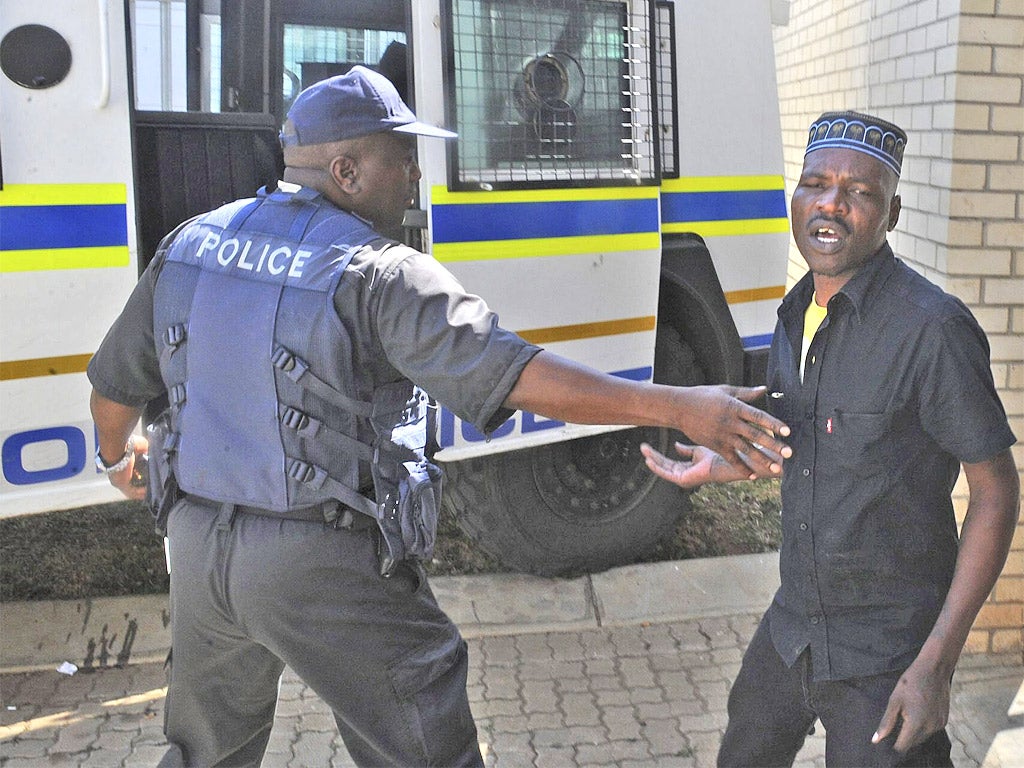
(717, 417)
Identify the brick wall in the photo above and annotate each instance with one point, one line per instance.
(951, 73)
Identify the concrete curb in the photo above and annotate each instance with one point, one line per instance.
(114, 631)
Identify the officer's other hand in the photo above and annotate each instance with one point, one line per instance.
(748, 439)
(132, 480)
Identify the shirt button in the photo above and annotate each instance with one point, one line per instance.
(815, 619)
(803, 526)
(807, 473)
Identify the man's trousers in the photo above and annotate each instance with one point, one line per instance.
(772, 708)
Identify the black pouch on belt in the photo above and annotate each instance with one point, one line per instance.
(407, 485)
(162, 491)
(408, 503)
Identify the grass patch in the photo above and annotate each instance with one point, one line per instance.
(102, 550)
(736, 519)
(111, 550)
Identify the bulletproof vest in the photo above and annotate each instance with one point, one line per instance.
(257, 365)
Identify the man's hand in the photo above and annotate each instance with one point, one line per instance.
(717, 417)
(918, 706)
(697, 466)
(720, 418)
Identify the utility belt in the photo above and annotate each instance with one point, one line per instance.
(407, 485)
(332, 513)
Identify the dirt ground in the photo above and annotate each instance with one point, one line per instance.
(111, 549)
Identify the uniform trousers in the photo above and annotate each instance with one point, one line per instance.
(772, 708)
(251, 594)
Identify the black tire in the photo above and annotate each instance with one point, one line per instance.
(577, 506)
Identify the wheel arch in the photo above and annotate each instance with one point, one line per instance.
(692, 301)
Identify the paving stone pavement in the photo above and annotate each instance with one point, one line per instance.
(645, 695)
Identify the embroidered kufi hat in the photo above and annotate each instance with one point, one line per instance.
(863, 133)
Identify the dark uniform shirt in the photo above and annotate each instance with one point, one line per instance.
(408, 318)
(897, 391)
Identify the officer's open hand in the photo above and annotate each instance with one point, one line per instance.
(748, 439)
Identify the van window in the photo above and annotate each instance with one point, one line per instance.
(158, 38)
(553, 92)
(309, 52)
(665, 68)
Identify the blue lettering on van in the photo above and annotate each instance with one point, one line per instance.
(534, 423)
(14, 466)
(529, 422)
(470, 434)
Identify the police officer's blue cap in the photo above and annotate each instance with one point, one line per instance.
(879, 138)
(358, 103)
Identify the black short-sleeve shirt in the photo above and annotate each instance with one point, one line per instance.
(408, 317)
(897, 391)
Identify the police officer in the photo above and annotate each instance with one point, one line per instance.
(280, 328)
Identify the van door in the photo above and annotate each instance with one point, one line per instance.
(67, 238)
(214, 81)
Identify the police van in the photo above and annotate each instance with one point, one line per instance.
(615, 193)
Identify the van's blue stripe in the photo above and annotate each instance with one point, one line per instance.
(756, 342)
(514, 221)
(635, 374)
(723, 206)
(33, 227)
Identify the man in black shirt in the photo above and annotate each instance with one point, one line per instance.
(886, 383)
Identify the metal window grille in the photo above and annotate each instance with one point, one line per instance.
(664, 68)
(551, 92)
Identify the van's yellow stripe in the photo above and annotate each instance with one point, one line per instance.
(755, 294)
(589, 330)
(721, 206)
(64, 258)
(482, 250)
(439, 195)
(63, 194)
(722, 183)
(43, 366)
(46, 227)
(729, 227)
(510, 224)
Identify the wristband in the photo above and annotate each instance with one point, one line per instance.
(120, 464)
